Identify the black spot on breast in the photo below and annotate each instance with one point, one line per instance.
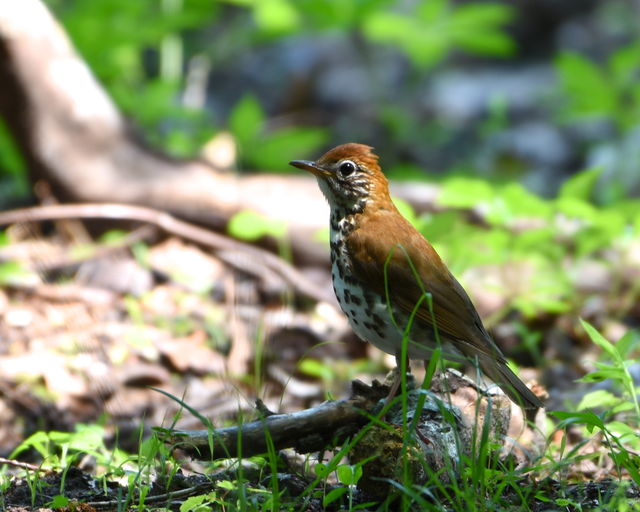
(377, 320)
(347, 229)
(369, 299)
(368, 325)
(356, 300)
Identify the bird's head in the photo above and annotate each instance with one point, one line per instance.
(349, 176)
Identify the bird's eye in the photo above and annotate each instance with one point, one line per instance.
(347, 167)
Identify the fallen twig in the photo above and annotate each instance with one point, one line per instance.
(307, 431)
(173, 226)
(21, 465)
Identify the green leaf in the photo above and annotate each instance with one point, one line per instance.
(198, 503)
(251, 226)
(485, 14)
(59, 501)
(477, 28)
(513, 201)
(622, 406)
(589, 419)
(333, 495)
(605, 371)
(581, 185)
(113, 237)
(599, 398)
(38, 441)
(432, 10)
(629, 208)
(86, 438)
(610, 223)
(465, 192)
(337, 15)
(627, 343)
(316, 368)
(227, 485)
(346, 475)
(576, 208)
(621, 429)
(588, 90)
(150, 447)
(11, 160)
(268, 151)
(422, 44)
(624, 65)
(541, 240)
(246, 120)
(435, 28)
(601, 341)
(14, 273)
(273, 150)
(321, 470)
(276, 16)
(522, 203)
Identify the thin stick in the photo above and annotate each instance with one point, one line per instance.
(21, 465)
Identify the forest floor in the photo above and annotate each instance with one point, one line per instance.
(89, 330)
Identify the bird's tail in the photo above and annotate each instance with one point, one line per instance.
(516, 390)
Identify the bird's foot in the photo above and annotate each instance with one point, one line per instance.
(393, 381)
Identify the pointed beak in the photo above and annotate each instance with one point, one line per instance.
(310, 166)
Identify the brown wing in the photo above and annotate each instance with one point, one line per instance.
(386, 235)
(456, 317)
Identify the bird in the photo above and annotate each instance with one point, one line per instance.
(389, 279)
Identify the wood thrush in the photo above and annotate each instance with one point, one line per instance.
(383, 270)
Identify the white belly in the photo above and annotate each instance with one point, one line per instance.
(362, 315)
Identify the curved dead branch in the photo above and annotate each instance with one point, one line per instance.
(173, 226)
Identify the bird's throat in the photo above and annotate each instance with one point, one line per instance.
(345, 219)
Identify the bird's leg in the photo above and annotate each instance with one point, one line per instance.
(397, 378)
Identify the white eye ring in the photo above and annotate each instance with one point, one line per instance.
(347, 167)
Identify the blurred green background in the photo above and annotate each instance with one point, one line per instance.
(527, 111)
(525, 91)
